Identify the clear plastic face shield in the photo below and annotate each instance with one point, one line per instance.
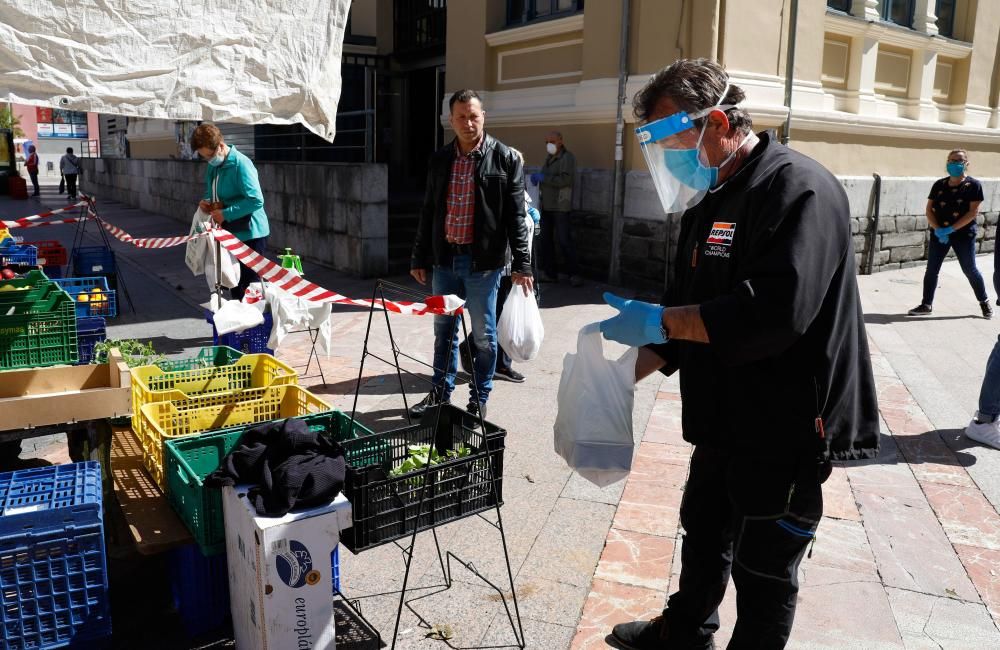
(679, 173)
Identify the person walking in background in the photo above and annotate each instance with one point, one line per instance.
(556, 182)
(31, 164)
(952, 207)
(985, 427)
(473, 210)
(69, 167)
(231, 183)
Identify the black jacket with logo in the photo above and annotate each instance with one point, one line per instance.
(499, 212)
(769, 259)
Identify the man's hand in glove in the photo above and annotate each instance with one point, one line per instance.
(637, 323)
(942, 233)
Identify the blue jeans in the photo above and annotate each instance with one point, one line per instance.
(964, 244)
(989, 394)
(479, 289)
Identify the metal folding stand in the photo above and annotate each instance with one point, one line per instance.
(378, 297)
(81, 229)
(313, 333)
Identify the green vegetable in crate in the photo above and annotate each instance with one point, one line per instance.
(418, 456)
(134, 353)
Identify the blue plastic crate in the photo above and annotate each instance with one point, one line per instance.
(19, 254)
(50, 498)
(93, 260)
(54, 587)
(335, 563)
(53, 572)
(200, 587)
(89, 332)
(249, 341)
(106, 304)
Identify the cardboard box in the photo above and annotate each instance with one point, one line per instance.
(38, 397)
(280, 575)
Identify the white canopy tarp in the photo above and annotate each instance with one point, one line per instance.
(252, 61)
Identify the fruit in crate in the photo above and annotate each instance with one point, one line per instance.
(8, 274)
(83, 297)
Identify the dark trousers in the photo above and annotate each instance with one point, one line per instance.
(557, 233)
(33, 175)
(70, 185)
(751, 517)
(248, 275)
(963, 242)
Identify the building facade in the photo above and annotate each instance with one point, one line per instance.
(52, 131)
(880, 86)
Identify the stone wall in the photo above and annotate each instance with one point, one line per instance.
(331, 214)
(900, 240)
(649, 238)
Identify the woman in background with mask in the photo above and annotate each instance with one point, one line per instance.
(232, 196)
(952, 207)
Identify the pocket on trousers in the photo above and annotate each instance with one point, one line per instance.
(771, 547)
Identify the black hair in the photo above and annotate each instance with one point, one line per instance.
(465, 95)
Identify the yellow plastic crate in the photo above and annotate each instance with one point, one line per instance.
(162, 421)
(153, 384)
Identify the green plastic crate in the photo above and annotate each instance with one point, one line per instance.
(191, 458)
(38, 333)
(36, 283)
(209, 357)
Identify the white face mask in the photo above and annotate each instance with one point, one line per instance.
(551, 148)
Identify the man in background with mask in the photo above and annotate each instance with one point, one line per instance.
(763, 320)
(556, 182)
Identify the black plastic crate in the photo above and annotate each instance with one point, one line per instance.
(385, 508)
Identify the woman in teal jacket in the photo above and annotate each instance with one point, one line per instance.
(240, 202)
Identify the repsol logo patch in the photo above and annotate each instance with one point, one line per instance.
(721, 233)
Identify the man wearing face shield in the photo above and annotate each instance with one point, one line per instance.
(763, 320)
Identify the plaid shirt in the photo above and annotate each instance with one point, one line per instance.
(461, 201)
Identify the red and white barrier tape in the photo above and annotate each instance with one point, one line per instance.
(269, 271)
(28, 222)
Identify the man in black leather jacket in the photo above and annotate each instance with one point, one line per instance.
(473, 210)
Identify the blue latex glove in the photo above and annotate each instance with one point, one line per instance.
(942, 233)
(533, 213)
(536, 178)
(637, 323)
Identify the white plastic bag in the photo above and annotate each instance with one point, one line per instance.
(230, 266)
(520, 330)
(194, 255)
(593, 429)
(236, 316)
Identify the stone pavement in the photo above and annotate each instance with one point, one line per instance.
(907, 555)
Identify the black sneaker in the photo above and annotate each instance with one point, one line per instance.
(465, 356)
(647, 635)
(433, 398)
(920, 310)
(508, 374)
(987, 309)
(475, 408)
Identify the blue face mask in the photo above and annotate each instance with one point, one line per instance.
(686, 166)
(217, 159)
(956, 169)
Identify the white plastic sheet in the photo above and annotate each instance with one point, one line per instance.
(268, 61)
